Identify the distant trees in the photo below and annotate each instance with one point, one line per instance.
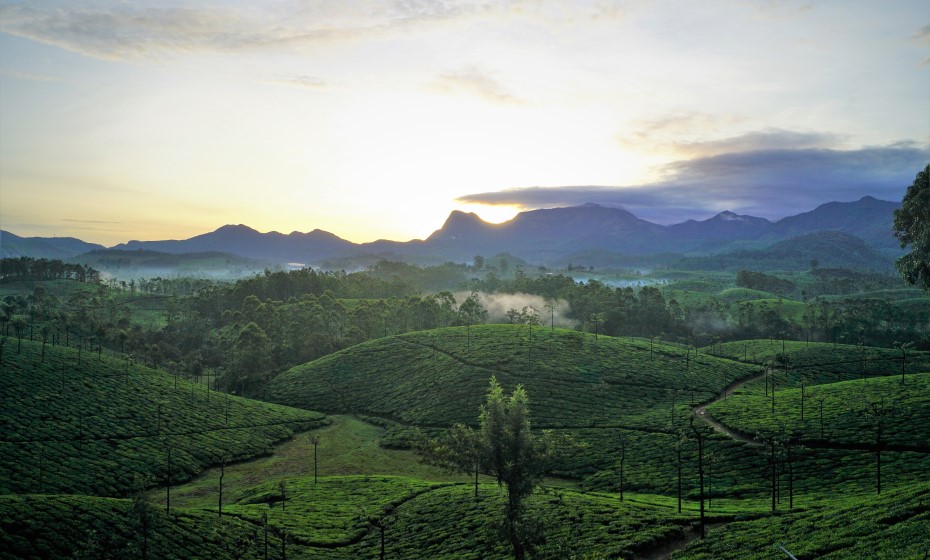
(912, 227)
(764, 282)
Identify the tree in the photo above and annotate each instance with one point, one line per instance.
(315, 441)
(472, 312)
(504, 447)
(622, 460)
(700, 434)
(912, 227)
(878, 414)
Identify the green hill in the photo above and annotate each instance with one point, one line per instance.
(895, 525)
(846, 412)
(96, 425)
(35, 527)
(822, 362)
(595, 389)
(575, 380)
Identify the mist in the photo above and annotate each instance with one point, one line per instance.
(498, 305)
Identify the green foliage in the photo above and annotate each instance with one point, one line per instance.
(763, 282)
(892, 526)
(325, 514)
(844, 411)
(85, 527)
(912, 227)
(91, 427)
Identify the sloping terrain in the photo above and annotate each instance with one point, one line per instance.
(73, 423)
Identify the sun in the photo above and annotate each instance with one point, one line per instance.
(494, 214)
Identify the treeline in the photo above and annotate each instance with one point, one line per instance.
(764, 282)
(28, 268)
(245, 332)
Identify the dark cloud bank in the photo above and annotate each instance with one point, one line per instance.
(769, 183)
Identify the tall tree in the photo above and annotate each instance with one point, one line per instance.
(912, 227)
(508, 450)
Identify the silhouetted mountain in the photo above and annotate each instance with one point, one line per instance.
(12, 245)
(590, 232)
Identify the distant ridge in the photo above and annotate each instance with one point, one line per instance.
(542, 236)
(12, 246)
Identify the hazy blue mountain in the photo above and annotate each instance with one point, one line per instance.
(246, 242)
(12, 245)
(868, 218)
(831, 249)
(725, 226)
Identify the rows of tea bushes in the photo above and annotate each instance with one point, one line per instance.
(99, 424)
(334, 519)
(439, 377)
(820, 362)
(40, 527)
(893, 526)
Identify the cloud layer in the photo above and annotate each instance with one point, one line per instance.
(770, 183)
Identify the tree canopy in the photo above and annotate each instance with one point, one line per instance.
(912, 227)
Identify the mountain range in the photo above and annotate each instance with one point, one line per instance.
(541, 236)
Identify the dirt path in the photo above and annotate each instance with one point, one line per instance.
(701, 410)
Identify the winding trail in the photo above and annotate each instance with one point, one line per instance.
(701, 410)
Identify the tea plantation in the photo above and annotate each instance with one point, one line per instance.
(103, 426)
(84, 452)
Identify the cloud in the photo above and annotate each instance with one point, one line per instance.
(769, 139)
(131, 32)
(25, 75)
(770, 183)
(89, 221)
(673, 133)
(296, 80)
(474, 80)
(923, 36)
(128, 31)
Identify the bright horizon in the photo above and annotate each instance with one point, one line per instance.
(374, 120)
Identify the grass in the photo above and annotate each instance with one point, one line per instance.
(347, 446)
(96, 426)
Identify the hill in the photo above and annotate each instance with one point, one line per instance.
(892, 526)
(12, 246)
(830, 248)
(867, 218)
(72, 423)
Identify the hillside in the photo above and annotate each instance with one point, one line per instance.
(893, 526)
(439, 377)
(830, 249)
(837, 412)
(73, 423)
(867, 218)
(12, 246)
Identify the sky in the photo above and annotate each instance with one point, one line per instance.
(373, 120)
